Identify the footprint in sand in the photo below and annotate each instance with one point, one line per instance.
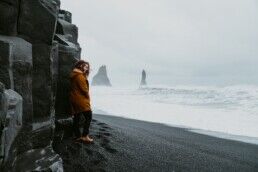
(96, 159)
(106, 127)
(103, 129)
(103, 133)
(97, 169)
(101, 123)
(78, 156)
(107, 134)
(108, 148)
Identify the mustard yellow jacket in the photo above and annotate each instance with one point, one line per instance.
(79, 94)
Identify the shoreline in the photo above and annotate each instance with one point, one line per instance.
(217, 134)
(132, 145)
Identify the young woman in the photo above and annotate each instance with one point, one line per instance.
(80, 101)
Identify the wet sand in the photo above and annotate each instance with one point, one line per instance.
(132, 145)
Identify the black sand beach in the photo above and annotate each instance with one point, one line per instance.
(131, 145)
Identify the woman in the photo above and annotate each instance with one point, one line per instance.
(80, 101)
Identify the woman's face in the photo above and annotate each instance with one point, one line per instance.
(85, 68)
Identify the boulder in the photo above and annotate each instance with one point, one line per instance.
(101, 77)
(38, 159)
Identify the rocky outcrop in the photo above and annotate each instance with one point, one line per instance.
(69, 52)
(10, 120)
(101, 78)
(38, 47)
(16, 70)
(37, 20)
(8, 17)
(44, 80)
(39, 159)
(65, 15)
(143, 80)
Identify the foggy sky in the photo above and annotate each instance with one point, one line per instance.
(176, 41)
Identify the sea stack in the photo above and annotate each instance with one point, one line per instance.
(101, 78)
(143, 80)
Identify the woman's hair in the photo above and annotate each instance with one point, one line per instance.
(80, 64)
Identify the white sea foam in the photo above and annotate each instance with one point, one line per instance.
(230, 110)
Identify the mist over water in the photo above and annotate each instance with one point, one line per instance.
(122, 79)
(227, 109)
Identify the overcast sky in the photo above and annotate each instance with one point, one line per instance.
(176, 41)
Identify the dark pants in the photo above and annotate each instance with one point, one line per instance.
(82, 121)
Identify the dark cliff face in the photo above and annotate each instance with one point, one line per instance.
(143, 80)
(101, 78)
(38, 47)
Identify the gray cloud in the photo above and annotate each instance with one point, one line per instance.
(176, 41)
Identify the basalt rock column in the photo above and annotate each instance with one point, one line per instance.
(69, 52)
(33, 35)
(10, 119)
(16, 71)
(37, 24)
(32, 43)
(8, 17)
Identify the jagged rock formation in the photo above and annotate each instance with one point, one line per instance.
(143, 80)
(69, 52)
(38, 47)
(16, 70)
(10, 119)
(101, 77)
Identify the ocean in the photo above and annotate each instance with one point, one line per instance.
(228, 112)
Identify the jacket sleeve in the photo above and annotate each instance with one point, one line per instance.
(81, 82)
